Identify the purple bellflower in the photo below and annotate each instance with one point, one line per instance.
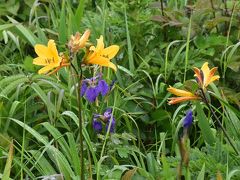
(187, 122)
(107, 117)
(94, 86)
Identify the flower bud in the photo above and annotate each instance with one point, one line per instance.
(77, 42)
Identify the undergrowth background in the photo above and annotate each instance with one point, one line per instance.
(160, 42)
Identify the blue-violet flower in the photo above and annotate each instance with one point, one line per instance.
(94, 86)
(187, 122)
(107, 118)
(97, 125)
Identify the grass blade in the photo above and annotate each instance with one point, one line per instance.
(129, 45)
(204, 125)
(7, 169)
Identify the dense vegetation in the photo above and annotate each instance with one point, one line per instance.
(111, 112)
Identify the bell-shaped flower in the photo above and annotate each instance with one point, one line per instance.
(182, 95)
(100, 55)
(205, 76)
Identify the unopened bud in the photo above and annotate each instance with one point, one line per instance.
(77, 41)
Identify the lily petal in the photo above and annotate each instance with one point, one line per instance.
(176, 100)
(214, 78)
(205, 69)
(210, 76)
(40, 61)
(179, 92)
(113, 66)
(100, 44)
(52, 48)
(100, 56)
(198, 75)
(206, 75)
(102, 61)
(42, 51)
(110, 51)
(45, 69)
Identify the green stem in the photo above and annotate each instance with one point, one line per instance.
(24, 135)
(218, 121)
(187, 47)
(224, 64)
(80, 123)
(78, 89)
(213, 12)
(164, 31)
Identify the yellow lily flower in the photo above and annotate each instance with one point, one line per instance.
(48, 57)
(205, 76)
(100, 55)
(183, 95)
(77, 42)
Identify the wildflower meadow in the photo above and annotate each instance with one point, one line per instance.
(119, 90)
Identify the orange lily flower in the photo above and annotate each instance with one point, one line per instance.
(205, 76)
(100, 55)
(49, 58)
(183, 95)
(77, 42)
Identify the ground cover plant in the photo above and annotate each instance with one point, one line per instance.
(114, 89)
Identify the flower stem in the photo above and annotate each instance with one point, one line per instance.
(218, 121)
(79, 104)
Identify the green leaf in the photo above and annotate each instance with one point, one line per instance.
(125, 70)
(10, 86)
(201, 174)
(43, 96)
(85, 133)
(28, 64)
(62, 26)
(6, 26)
(58, 137)
(32, 131)
(191, 85)
(159, 115)
(123, 152)
(23, 31)
(152, 164)
(129, 44)
(209, 51)
(203, 124)
(79, 13)
(7, 169)
(203, 42)
(74, 153)
(43, 162)
(41, 35)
